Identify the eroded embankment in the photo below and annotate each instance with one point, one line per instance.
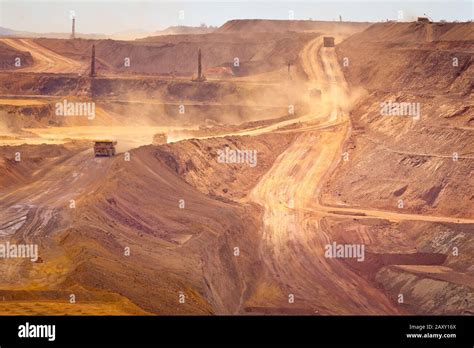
(180, 239)
(416, 163)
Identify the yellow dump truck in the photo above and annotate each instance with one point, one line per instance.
(104, 148)
(160, 138)
(328, 41)
(423, 20)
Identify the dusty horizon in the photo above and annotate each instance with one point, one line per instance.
(151, 16)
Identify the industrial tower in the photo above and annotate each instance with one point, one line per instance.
(93, 62)
(200, 76)
(73, 32)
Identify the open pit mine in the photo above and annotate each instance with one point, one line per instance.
(259, 167)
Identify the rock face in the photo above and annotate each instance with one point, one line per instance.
(11, 58)
(417, 164)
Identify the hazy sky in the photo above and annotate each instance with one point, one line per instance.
(108, 16)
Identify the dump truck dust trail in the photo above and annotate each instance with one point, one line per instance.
(294, 241)
(45, 60)
(33, 212)
(36, 203)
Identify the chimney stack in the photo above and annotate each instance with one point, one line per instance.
(199, 66)
(93, 62)
(73, 33)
